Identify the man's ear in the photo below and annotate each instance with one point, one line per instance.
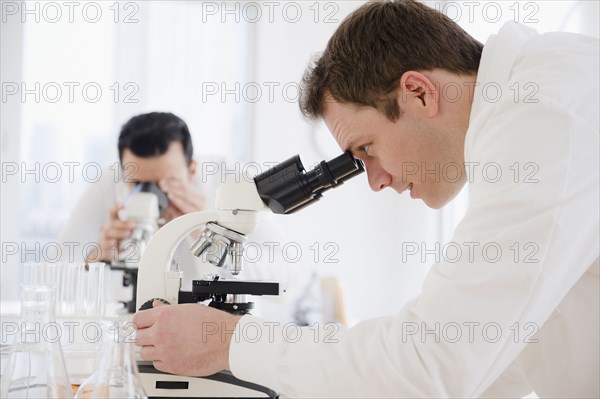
(416, 91)
(193, 169)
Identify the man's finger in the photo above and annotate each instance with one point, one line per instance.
(117, 234)
(187, 203)
(159, 365)
(144, 319)
(148, 352)
(117, 228)
(183, 194)
(123, 224)
(172, 184)
(158, 303)
(113, 213)
(177, 201)
(120, 228)
(144, 337)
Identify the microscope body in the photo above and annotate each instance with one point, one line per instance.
(222, 239)
(142, 207)
(283, 189)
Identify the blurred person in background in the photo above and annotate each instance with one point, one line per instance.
(157, 148)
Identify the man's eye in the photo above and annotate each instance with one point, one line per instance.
(364, 149)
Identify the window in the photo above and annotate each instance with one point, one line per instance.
(86, 68)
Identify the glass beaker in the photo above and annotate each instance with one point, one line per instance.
(80, 287)
(35, 366)
(117, 375)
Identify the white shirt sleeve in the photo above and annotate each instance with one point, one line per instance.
(89, 215)
(525, 241)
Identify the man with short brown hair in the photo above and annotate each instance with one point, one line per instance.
(523, 318)
(360, 67)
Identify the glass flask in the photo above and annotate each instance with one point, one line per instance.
(35, 367)
(117, 374)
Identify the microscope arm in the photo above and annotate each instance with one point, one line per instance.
(155, 279)
(240, 204)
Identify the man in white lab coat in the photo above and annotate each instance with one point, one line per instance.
(156, 147)
(428, 108)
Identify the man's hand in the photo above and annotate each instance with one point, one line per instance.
(182, 198)
(112, 233)
(188, 339)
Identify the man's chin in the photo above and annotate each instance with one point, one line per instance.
(434, 206)
(435, 203)
(440, 198)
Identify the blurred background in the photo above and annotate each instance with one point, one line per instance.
(74, 72)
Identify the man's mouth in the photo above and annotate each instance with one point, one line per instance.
(413, 192)
(408, 188)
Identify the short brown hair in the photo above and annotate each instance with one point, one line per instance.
(375, 45)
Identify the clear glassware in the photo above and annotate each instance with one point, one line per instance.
(80, 302)
(35, 366)
(117, 375)
(80, 287)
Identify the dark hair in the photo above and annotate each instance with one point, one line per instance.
(375, 45)
(149, 135)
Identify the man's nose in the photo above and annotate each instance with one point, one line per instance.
(378, 177)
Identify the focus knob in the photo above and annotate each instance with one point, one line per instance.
(148, 304)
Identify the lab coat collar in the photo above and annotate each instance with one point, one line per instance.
(499, 54)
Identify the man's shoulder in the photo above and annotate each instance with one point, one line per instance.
(523, 73)
(106, 183)
(518, 49)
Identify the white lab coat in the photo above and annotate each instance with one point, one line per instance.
(471, 331)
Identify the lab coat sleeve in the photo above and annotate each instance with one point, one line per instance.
(84, 225)
(525, 241)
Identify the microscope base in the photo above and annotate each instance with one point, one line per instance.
(221, 385)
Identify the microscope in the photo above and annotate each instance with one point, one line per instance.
(285, 188)
(144, 205)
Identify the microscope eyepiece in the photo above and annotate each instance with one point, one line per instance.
(287, 188)
(148, 187)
